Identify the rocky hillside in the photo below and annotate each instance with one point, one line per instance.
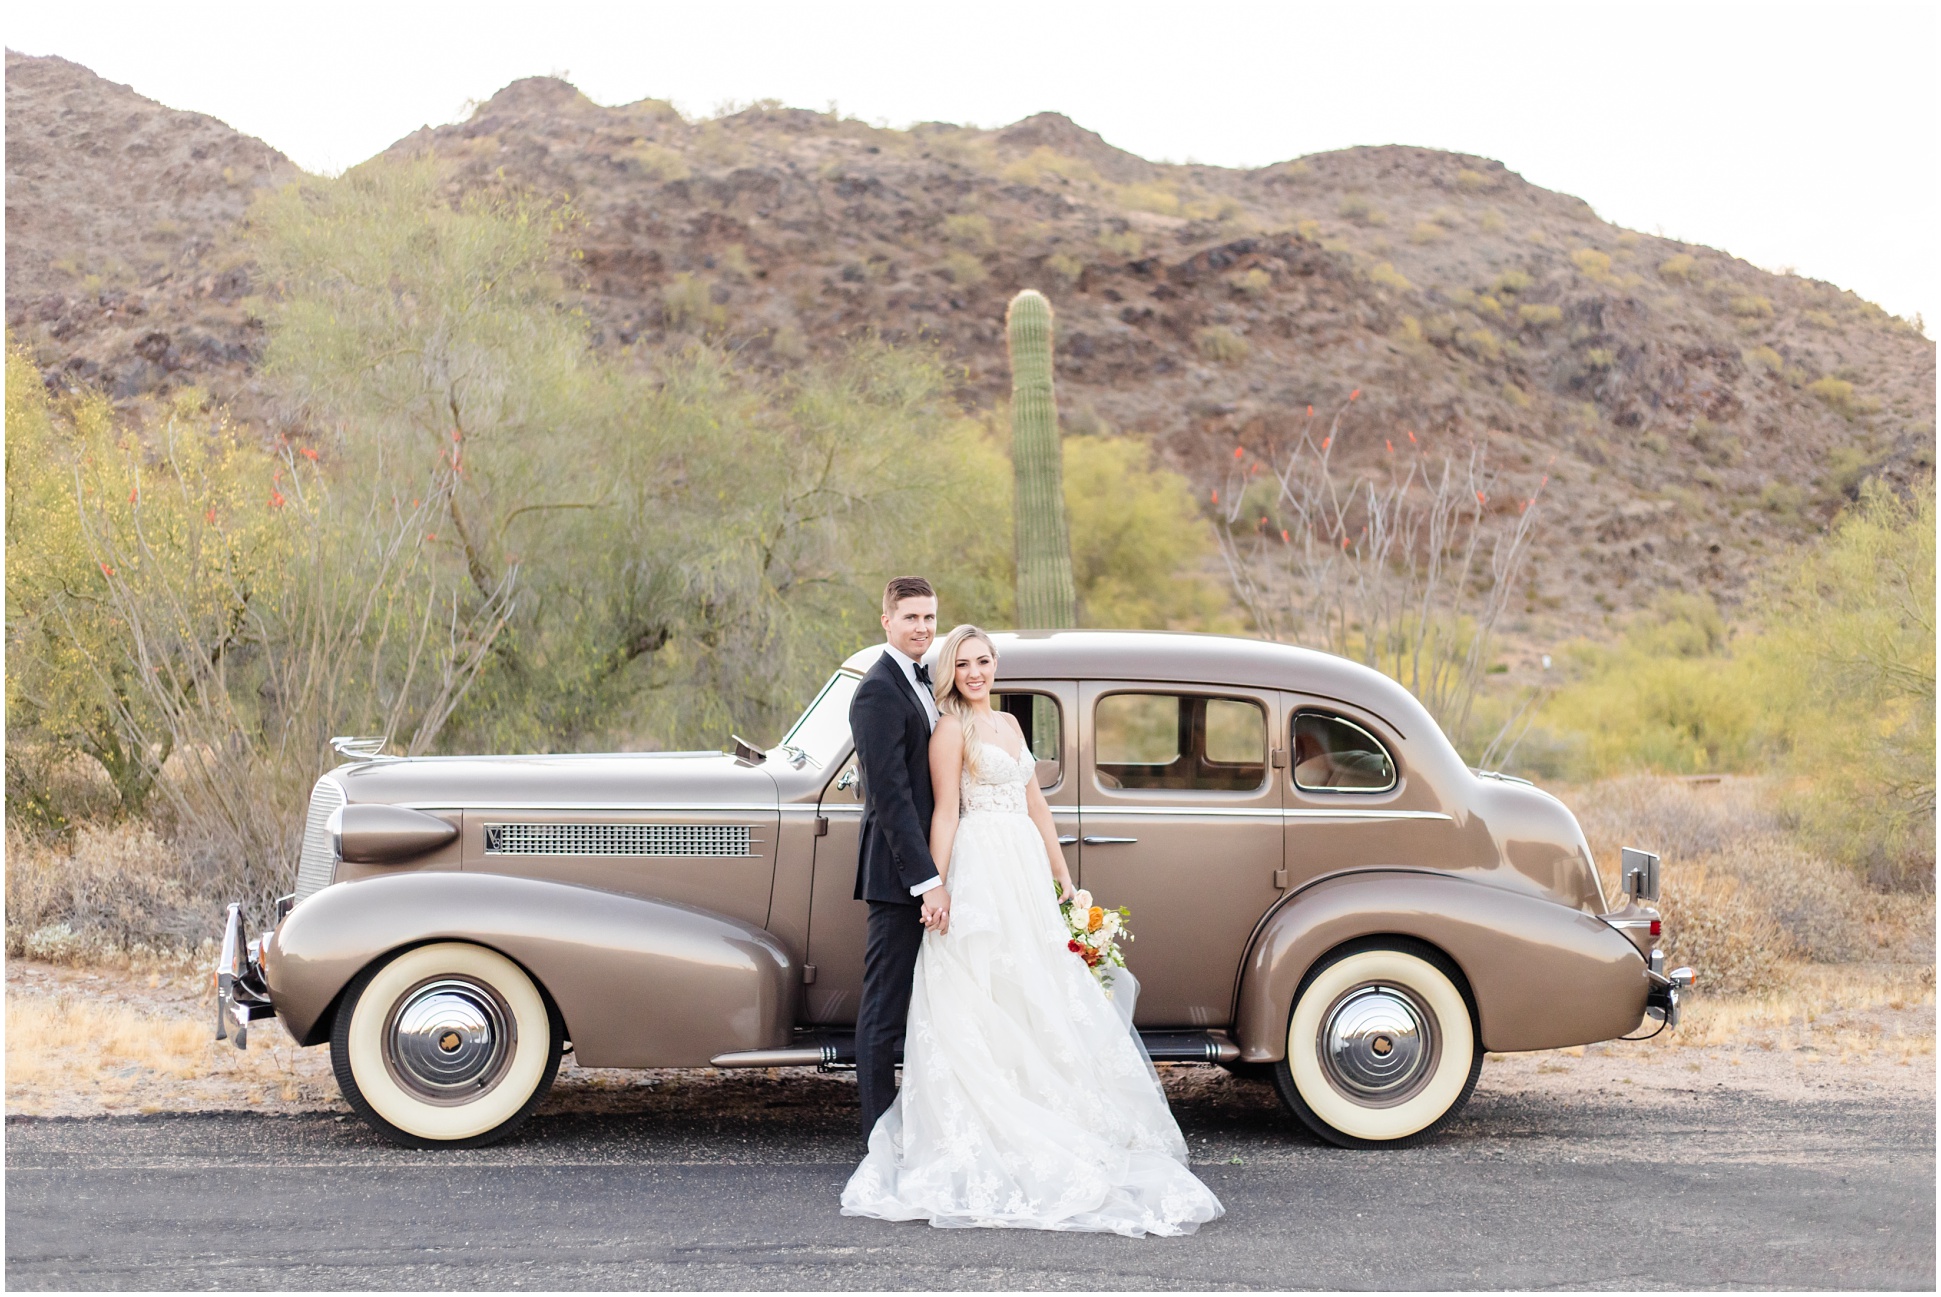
(1697, 415)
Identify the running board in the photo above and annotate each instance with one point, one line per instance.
(827, 1050)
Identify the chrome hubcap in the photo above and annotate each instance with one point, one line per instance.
(1378, 1045)
(448, 1040)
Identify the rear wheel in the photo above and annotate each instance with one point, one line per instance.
(445, 1046)
(1381, 1046)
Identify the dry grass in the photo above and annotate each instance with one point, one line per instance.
(102, 1044)
(110, 890)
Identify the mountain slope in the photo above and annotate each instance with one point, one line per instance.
(1697, 415)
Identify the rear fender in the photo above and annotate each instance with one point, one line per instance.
(1542, 975)
(638, 983)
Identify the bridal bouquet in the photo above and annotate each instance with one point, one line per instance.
(1095, 935)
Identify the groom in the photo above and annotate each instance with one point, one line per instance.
(891, 718)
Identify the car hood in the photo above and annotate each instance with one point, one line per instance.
(620, 779)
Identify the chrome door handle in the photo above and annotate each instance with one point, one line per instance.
(1066, 839)
(1104, 842)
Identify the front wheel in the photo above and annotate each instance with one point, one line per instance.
(1381, 1046)
(449, 1045)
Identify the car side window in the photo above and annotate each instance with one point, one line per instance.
(1181, 741)
(1338, 756)
(1037, 715)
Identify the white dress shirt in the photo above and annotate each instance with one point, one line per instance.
(929, 701)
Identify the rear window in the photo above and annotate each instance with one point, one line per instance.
(1183, 741)
(1336, 755)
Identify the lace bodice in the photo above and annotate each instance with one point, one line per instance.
(998, 786)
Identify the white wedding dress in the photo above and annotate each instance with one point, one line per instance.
(1027, 1100)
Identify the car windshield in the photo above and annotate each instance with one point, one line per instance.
(822, 734)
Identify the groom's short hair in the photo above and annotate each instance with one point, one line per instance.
(905, 587)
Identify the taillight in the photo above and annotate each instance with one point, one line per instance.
(1657, 927)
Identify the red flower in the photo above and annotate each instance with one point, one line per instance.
(1238, 452)
(1310, 412)
(1354, 394)
(1481, 498)
(211, 516)
(308, 454)
(1216, 495)
(1074, 947)
(134, 495)
(1390, 443)
(1326, 442)
(106, 570)
(1411, 433)
(276, 498)
(1283, 535)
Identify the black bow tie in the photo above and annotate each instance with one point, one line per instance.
(923, 676)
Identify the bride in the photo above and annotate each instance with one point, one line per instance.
(1027, 1099)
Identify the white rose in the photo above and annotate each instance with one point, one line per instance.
(1082, 901)
(1111, 924)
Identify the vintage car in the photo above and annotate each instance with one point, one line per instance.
(1320, 890)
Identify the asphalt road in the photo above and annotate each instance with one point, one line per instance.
(736, 1187)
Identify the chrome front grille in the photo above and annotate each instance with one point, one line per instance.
(317, 866)
(618, 840)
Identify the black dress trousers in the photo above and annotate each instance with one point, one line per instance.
(889, 964)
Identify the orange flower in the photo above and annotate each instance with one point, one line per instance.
(276, 498)
(308, 454)
(1096, 919)
(1355, 395)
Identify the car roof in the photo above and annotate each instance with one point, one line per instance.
(1183, 657)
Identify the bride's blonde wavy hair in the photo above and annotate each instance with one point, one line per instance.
(944, 686)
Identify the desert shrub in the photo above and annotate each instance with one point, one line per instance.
(1820, 320)
(1678, 268)
(1516, 396)
(1764, 358)
(1481, 343)
(1308, 229)
(1491, 221)
(1836, 394)
(1219, 343)
(1360, 209)
(1159, 197)
(1140, 546)
(1751, 306)
(656, 160)
(117, 889)
(1066, 267)
(1716, 924)
(1472, 182)
(1041, 162)
(1537, 315)
(970, 229)
(1253, 282)
(688, 302)
(965, 269)
(1854, 620)
(1592, 264)
(1511, 282)
(1427, 232)
(1387, 276)
(1447, 217)
(1123, 243)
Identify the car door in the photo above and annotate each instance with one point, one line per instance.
(1180, 821)
(838, 922)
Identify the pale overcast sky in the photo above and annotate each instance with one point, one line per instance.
(1798, 136)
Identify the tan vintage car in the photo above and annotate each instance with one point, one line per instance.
(1320, 890)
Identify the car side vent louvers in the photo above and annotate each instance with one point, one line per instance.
(618, 840)
(317, 866)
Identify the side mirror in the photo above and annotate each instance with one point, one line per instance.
(1639, 871)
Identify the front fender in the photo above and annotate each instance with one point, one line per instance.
(639, 983)
(1542, 975)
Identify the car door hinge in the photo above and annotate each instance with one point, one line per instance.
(822, 826)
(808, 974)
(1280, 758)
(1280, 879)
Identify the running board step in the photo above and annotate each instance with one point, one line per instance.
(838, 1049)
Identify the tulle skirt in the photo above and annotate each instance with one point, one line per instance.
(1027, 1099)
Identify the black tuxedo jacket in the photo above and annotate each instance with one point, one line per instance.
(892, 734)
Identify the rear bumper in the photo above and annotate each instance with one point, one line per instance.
(1664, 1000)
(241, 994)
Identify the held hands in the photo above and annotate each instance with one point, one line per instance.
(936, 910)
(1065, 889)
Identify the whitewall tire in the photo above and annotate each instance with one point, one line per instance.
(449, 1045)
(1381, 1045)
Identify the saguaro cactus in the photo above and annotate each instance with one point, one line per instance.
(1045, 595)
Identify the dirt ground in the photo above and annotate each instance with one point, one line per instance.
(85, 1042)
